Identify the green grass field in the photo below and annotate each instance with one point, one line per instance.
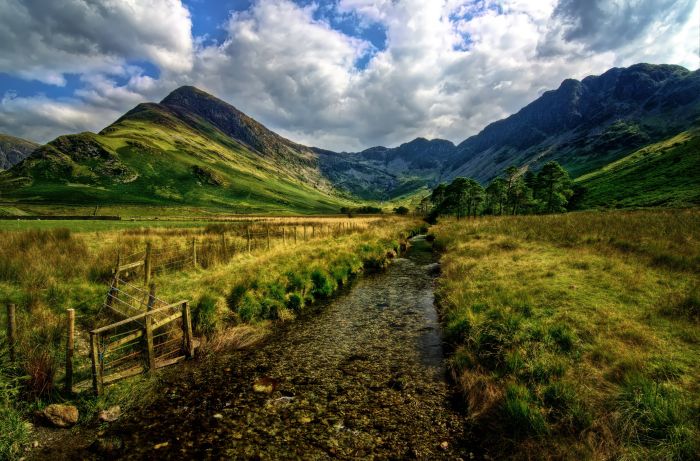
(576, 336)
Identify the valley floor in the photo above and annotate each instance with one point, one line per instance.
(576, 336)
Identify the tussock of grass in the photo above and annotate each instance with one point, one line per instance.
(573, 339)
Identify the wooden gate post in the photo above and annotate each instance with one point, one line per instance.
(194, 251)
(248, 234)
(284, 235)
(150, 354)
(267, 229)
(187, 330)
(11, 332)
(313, 231)
(295, 234)
(147, 264)
(70, 342)
(96, 363)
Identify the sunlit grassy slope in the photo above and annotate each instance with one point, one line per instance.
(151, 157)
(576, 336)
(666, 173)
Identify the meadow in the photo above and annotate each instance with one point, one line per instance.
(238, 291)
(576, 336)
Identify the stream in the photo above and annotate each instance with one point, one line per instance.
(362, 377)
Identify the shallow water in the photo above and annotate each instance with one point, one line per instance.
(362, 377)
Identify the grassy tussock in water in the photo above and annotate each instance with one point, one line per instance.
(576, 336)
(235, 295)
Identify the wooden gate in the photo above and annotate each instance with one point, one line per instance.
(159, 337)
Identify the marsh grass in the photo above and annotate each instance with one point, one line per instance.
(576, 335)
(236, 295)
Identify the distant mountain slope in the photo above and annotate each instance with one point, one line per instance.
(583, 124)
(179, 152)
(586, 124)
(14, 150)
(666, 173)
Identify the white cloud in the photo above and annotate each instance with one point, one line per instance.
(449, 67)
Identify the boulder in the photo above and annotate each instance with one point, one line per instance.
(109, 415)
(60, 415)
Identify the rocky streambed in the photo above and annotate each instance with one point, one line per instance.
(362, 377)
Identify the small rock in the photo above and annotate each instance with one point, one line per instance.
(107, 445)
(444, 445)
(110, 415)
(218, 416)
(158, 446)
(265, 385)
(433, 268)
(35, 444)
(60, 415)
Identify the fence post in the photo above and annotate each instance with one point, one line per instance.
(69, 351)
(96, 363)
(284, 235)
(11, 331)
(313, 231)
(194, 251)
(147, 265)
(187, 330)
(150, 355)
(267, 229)
(248, 233)
(119, 264)
(295, 234)
(304, 232)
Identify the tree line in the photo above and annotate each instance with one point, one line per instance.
(550, 190)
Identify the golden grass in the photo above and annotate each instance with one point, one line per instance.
(565, 345)
(46, 272)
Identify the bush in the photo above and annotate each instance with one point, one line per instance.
(324, 285)
(249, 307)
(206, 318)
(295, 302)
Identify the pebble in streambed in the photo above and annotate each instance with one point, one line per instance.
(361, 378)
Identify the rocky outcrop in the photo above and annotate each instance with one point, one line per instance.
(14, 150)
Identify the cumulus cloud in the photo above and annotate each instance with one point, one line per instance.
(449, 66)
(44, 40)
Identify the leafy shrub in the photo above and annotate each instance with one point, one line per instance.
(249, 307)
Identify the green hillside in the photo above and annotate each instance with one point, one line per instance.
(666, 173)
(151, 156)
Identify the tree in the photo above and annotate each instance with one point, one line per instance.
(402, 210)
(438, 195)
(496, 195)
(424, 206)
(520, 196)
(554, 187)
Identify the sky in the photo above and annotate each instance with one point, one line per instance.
(338, 74)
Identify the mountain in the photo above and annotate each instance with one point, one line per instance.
(628, 135)
(190, 149)
(584, 125)
(387, 173)
(14, 150)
